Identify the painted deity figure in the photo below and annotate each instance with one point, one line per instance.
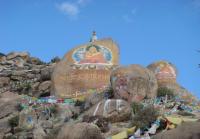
(93, 55)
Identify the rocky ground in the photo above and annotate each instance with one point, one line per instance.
(28, 111)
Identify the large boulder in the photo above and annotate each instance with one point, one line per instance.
(28, 119)
(4, 81)
(66, 112)
(2, 54)
(93, 99)
(80, 131)
(133, 83)
(8, 104)
(46, 73)
(4, 126)
(185, 131)
(2, 57)
(13, 55)
(19, 61)
(164, 71)
(39, 133)
(115, 110)
(34, 61)
(85, 69)
(166, 75)
(44, 88)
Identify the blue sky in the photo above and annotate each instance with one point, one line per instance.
(146, 30)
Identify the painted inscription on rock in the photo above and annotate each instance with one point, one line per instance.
(84, 82)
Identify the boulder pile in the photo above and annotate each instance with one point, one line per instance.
(23, 74)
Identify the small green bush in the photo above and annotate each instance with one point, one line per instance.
(10, 137)
(144, 117)
(19, 107)
(163, 91)
(26, 86)
(184, 113)
(54, 109)
(14, 121)
(109, 93)
(23, 86)
(55, 59)
(136, 107)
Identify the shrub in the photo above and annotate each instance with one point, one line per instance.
(80, 104)
(163, 125)
(54, 109)
(109, 93)
(144, 117)
(100, 121)
(163, 91)
(19, 107)
(23, 86)
(74, 115)
(184, 113)
(10, 137)
(14, 121)
(55, 59)
(26, 86)
(53, 133)
(136, 107)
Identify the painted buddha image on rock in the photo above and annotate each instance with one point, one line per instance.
(92, 54)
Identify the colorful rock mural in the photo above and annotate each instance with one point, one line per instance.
(92, 54)
(98, 52)
(85, 69)
(164, 71)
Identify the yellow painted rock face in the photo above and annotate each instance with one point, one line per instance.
(85, 69)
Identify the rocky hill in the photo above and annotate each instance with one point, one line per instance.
(136, 102)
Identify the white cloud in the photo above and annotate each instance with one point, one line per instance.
(133, 11)
(129, 17)
(72, 9)
(68, 8)
(83, 2)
